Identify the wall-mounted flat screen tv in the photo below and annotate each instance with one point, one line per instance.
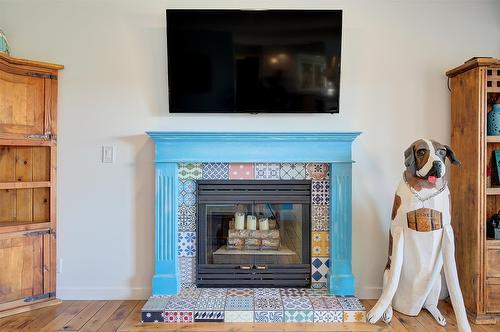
(253, 61)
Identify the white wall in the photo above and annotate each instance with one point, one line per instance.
(394, 56)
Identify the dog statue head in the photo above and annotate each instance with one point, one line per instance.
(425, 159)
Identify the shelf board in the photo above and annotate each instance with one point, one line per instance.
(493, 139)
(492, 243)
(24, 185)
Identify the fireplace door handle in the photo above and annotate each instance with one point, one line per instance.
(245, 267)
(261, 267)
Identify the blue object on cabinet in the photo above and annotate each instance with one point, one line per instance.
(494, 121)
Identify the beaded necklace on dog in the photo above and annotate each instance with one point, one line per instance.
(415, 193)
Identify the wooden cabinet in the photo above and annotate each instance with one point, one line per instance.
(475, 86)
(28, 124)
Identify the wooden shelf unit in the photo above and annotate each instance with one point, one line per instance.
(473, 89)
(28, 150)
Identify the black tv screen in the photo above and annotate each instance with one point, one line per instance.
(253, 61)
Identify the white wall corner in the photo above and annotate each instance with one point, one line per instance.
(103, 293)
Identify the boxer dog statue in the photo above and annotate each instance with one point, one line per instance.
(421, 240)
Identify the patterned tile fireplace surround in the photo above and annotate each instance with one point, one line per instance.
(184, 158)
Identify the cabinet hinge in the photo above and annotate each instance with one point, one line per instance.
(38, 233)
(41, 75)
(39, 297)
(38, 136)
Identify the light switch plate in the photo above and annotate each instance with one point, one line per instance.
(108, 154)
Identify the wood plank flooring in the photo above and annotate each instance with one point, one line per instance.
(124, 316)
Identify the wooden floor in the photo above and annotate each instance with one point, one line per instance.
(124, 316)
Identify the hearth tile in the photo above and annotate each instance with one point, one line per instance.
(325, 303)
(216, 171)
(156, 303)
(320, 216)
(210, 303)
(319, 268)
(187, 285)
(319, 285)
(242, 316)
(213, 292)
(189, 292)
(299, 316)
(176, 316)
(187, 244)
(318, 291)
(297, 303)
(267, 292)
(190, 171)
(178, 303)
(354, 316)
(239, 303)
(186, 216)
(187, 186)
(270, 303)
(267, 171)
(320, 244)
(209, 316)
(152, 316)
(350, 303)
(289, 292)
(293, 171)
(271, 316)
(241, 171)
(317, 171)
(187, 269)
(328, 316)
(240, 292)
(320, 192)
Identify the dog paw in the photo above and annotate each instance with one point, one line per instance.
(434, 311)
(387, 316)
(375, 314)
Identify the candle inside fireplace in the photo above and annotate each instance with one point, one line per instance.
(263, 224)
(239, 220)
(251, 222)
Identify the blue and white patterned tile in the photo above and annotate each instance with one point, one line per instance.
(189, 292)
(318, 291)
(269, 316)
(178, 316)
(239, 303)
(267, 292)
(210, 303)
(186, 218)
(268, 303)
(187, 244)
(240, 292)
(209, 316)
(317, 171)
(152, 316)
(156, 303)
(213, 292)
(325, 303)
(297, 303)
(319, 268)
(328, 316)
(267, 171)
(216, 171)
(240, 316)
(293, 292)
(293, 171)
(350, 303)
(319, 286)
(190, 171)
(320, 217)
(354, 316)
(187, 270)
(180, 303)
(299, 316)
(320, 192)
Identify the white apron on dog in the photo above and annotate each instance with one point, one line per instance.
(422, 226)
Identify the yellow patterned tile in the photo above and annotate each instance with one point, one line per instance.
(320, 244)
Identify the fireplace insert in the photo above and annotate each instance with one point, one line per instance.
(254, 233)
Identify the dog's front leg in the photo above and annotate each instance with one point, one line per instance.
(450, 272)
(393, 278)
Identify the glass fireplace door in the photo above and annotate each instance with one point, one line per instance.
(260, 242)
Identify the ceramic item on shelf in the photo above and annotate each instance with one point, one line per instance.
(239, 220)
(494, 121)
(4, 45)
(251, 223)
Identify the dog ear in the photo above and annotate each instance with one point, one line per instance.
(410, 159)
(451, 155)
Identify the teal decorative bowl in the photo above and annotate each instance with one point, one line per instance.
(494, 121)
(4, 45)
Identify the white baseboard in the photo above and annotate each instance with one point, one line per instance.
(103, 293)
(368, 293)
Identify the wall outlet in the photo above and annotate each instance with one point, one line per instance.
(108, 154)
(59, 266)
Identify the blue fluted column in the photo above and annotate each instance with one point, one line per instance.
(166, 278)
(340, 277)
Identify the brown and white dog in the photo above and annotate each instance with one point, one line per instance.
(421, 240)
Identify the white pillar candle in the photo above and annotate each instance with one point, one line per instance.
(263, 224)
(251, 222)
(239, 220)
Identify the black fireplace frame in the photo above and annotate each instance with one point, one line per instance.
(248, 192)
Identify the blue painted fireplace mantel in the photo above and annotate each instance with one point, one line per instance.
(172, 148)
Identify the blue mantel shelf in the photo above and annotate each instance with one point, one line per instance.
(328, 147)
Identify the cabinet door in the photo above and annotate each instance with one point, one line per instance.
(22, 105)
(24, 267)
